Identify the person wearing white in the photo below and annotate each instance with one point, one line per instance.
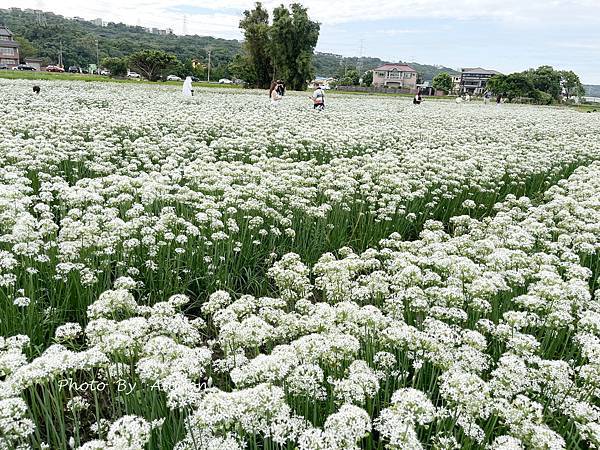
(318, 99)
(275, 97)
(187, 87)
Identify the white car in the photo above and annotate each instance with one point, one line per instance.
(173, 78)
(225, 81)
(133, 75)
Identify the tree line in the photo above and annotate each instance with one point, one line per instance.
(279, 49)
(543, 85)
(82, 42)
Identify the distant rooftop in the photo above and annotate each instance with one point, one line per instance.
(5, 31)
(11, 44)
(480, 70)
(399, 67)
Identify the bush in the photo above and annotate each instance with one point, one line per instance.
(116, 66)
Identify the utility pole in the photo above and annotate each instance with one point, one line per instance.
(209, 52)
(360, 60)
(97, 58)
(60, 57)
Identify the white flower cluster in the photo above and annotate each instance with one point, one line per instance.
(322, 283)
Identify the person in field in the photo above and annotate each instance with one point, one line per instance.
(280, 88)
(487, 97)
(274, 94)
(418, 99)
(318, 99)
(187, 87)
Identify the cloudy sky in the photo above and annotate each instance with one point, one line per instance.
(507, 35)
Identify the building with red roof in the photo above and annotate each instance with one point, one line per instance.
(396, 76)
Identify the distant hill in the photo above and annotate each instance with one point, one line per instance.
(329, 64)
(592, 90)
(46, 33)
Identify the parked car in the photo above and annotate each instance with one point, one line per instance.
(195, 79)
(3, 67)
(54, 69)
(74, 69)
(173, 78)
(133, 75)
(225, 81)
(105, 72)
(25, 67)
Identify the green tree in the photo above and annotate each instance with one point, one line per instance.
(243, 69)
(545, 79)
(293, 37)
(152, 64)
(442, 82)
(350, 79)
(255, 66)
(497, 84)
(513, 86)
(26, 48)
(116, 66)
(367, 79)
(571, 84)
(185, 69)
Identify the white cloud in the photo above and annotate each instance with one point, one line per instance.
(397, 31)
(517, 17)
(580, 45)
(218, 22)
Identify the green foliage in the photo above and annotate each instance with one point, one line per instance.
(443, 82)
(116, 39)
(283, 49)
(351, 78)
(571, 84)
(78, 42)
(544, 85)
(241, 67)
(26, 48)
(255, 66)
(186, 68)
(513, 86)
(368, 78)
(293, 37)
(330, 65)
(117, 66)
(152, 64)
(545, 79)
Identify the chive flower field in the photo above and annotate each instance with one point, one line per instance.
(216, 273)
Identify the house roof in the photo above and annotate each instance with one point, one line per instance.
(5, 31)
(12, 44)
(398, 67)
(479, 70)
